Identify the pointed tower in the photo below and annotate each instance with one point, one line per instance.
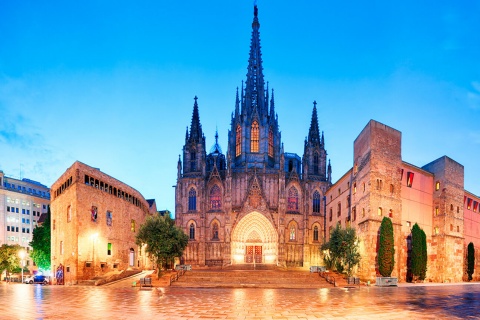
(254, 139)
(315, 155)
(194, 149)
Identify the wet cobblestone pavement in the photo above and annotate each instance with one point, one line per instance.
(19, 301)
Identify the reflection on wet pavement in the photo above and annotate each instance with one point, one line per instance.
(21, 301)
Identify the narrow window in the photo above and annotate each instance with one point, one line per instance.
(132, 225)
(254, 137)
(354, 213)
(270, 143)
(392, 188)
(215, 231)
(292, 233)
(410, 179)
(192, 231)
(290, 166)
(315, 233)
(436, 211)
(339, 209)
(109, 249)
(363, 212)
(316, 202)
(193, 161)
(380, 211)
(215, 198)
(192, 200)
(315, 163)
(354, 187)
(437, 185)
(94, 213)
(69, 213)
(61, 247)
(238, 144)
(292, 200)
(109, 218)
(390, 213)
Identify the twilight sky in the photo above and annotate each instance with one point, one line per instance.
(111, 83)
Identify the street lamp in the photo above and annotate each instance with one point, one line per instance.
(21, 254)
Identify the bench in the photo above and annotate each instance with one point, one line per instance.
(353, 280)
(145, 282)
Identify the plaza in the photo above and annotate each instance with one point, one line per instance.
(121, 301)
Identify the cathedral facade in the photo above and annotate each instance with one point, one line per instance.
(256, 204)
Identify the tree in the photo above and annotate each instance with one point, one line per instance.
(419, 253)
(9, 259)
(470, 260)
(342, 250)
(41, 244)
(386, 250)
(164, 241)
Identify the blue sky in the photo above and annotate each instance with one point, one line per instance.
(111, 84)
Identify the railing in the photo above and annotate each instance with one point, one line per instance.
(180, 272)
(328, 278)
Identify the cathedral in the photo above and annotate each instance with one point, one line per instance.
(255, 204)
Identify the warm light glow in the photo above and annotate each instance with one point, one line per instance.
(21, 254)
(94, 236)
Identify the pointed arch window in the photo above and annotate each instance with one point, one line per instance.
(316, 202)
(215, 231)
(192, 231)
(255, 137)
(192, 200)
(315, 163)
(292, 199)
(292, 232)
(270, 143)
(215, 198)
(238, 141)
(315, 233)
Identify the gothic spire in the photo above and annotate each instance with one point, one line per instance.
(314, 133)
(272, 106)
(196, 134)
(237, 105)
(255, 86)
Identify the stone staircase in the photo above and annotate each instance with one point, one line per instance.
(246, 277)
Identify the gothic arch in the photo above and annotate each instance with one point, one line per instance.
(254, 229)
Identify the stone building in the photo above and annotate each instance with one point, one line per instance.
(256, 203)
(259, 204)
(95, 219)
(381, 184)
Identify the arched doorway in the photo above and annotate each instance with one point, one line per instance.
(254, 240)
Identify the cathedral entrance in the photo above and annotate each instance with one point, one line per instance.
(254, 240)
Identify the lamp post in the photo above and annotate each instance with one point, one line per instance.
(94, 238)
(21, 254)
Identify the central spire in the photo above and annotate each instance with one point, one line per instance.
(255, 85)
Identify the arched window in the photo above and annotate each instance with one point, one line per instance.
(238, 143)
(69, 213)
(254, 137)
(215, 231)
(315, 163)
(316, 202)
(292, 199)
(270, 143)
(192, 200)
(292, 232)
(315, 233)
(380, 211)
(193, 161)
(192, 231)
(215, 198)
(339, 209)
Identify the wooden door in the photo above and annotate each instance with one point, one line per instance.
(249, 254)
(258, 254)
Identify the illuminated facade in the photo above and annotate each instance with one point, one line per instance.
(22, 201)
(94, 222)
(256, 204)
(381, 184)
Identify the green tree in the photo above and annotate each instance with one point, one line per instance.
(41, 244)
(419, 253)
(342, 250)
(164, 241)
(470, 260)
(386, 250)
(9, 258)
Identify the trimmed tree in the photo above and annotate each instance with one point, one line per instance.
(470, 260)
(164, 241)
(419, 253)
(386, 250)
(41, 244)
(9, 259)
(342, 250)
